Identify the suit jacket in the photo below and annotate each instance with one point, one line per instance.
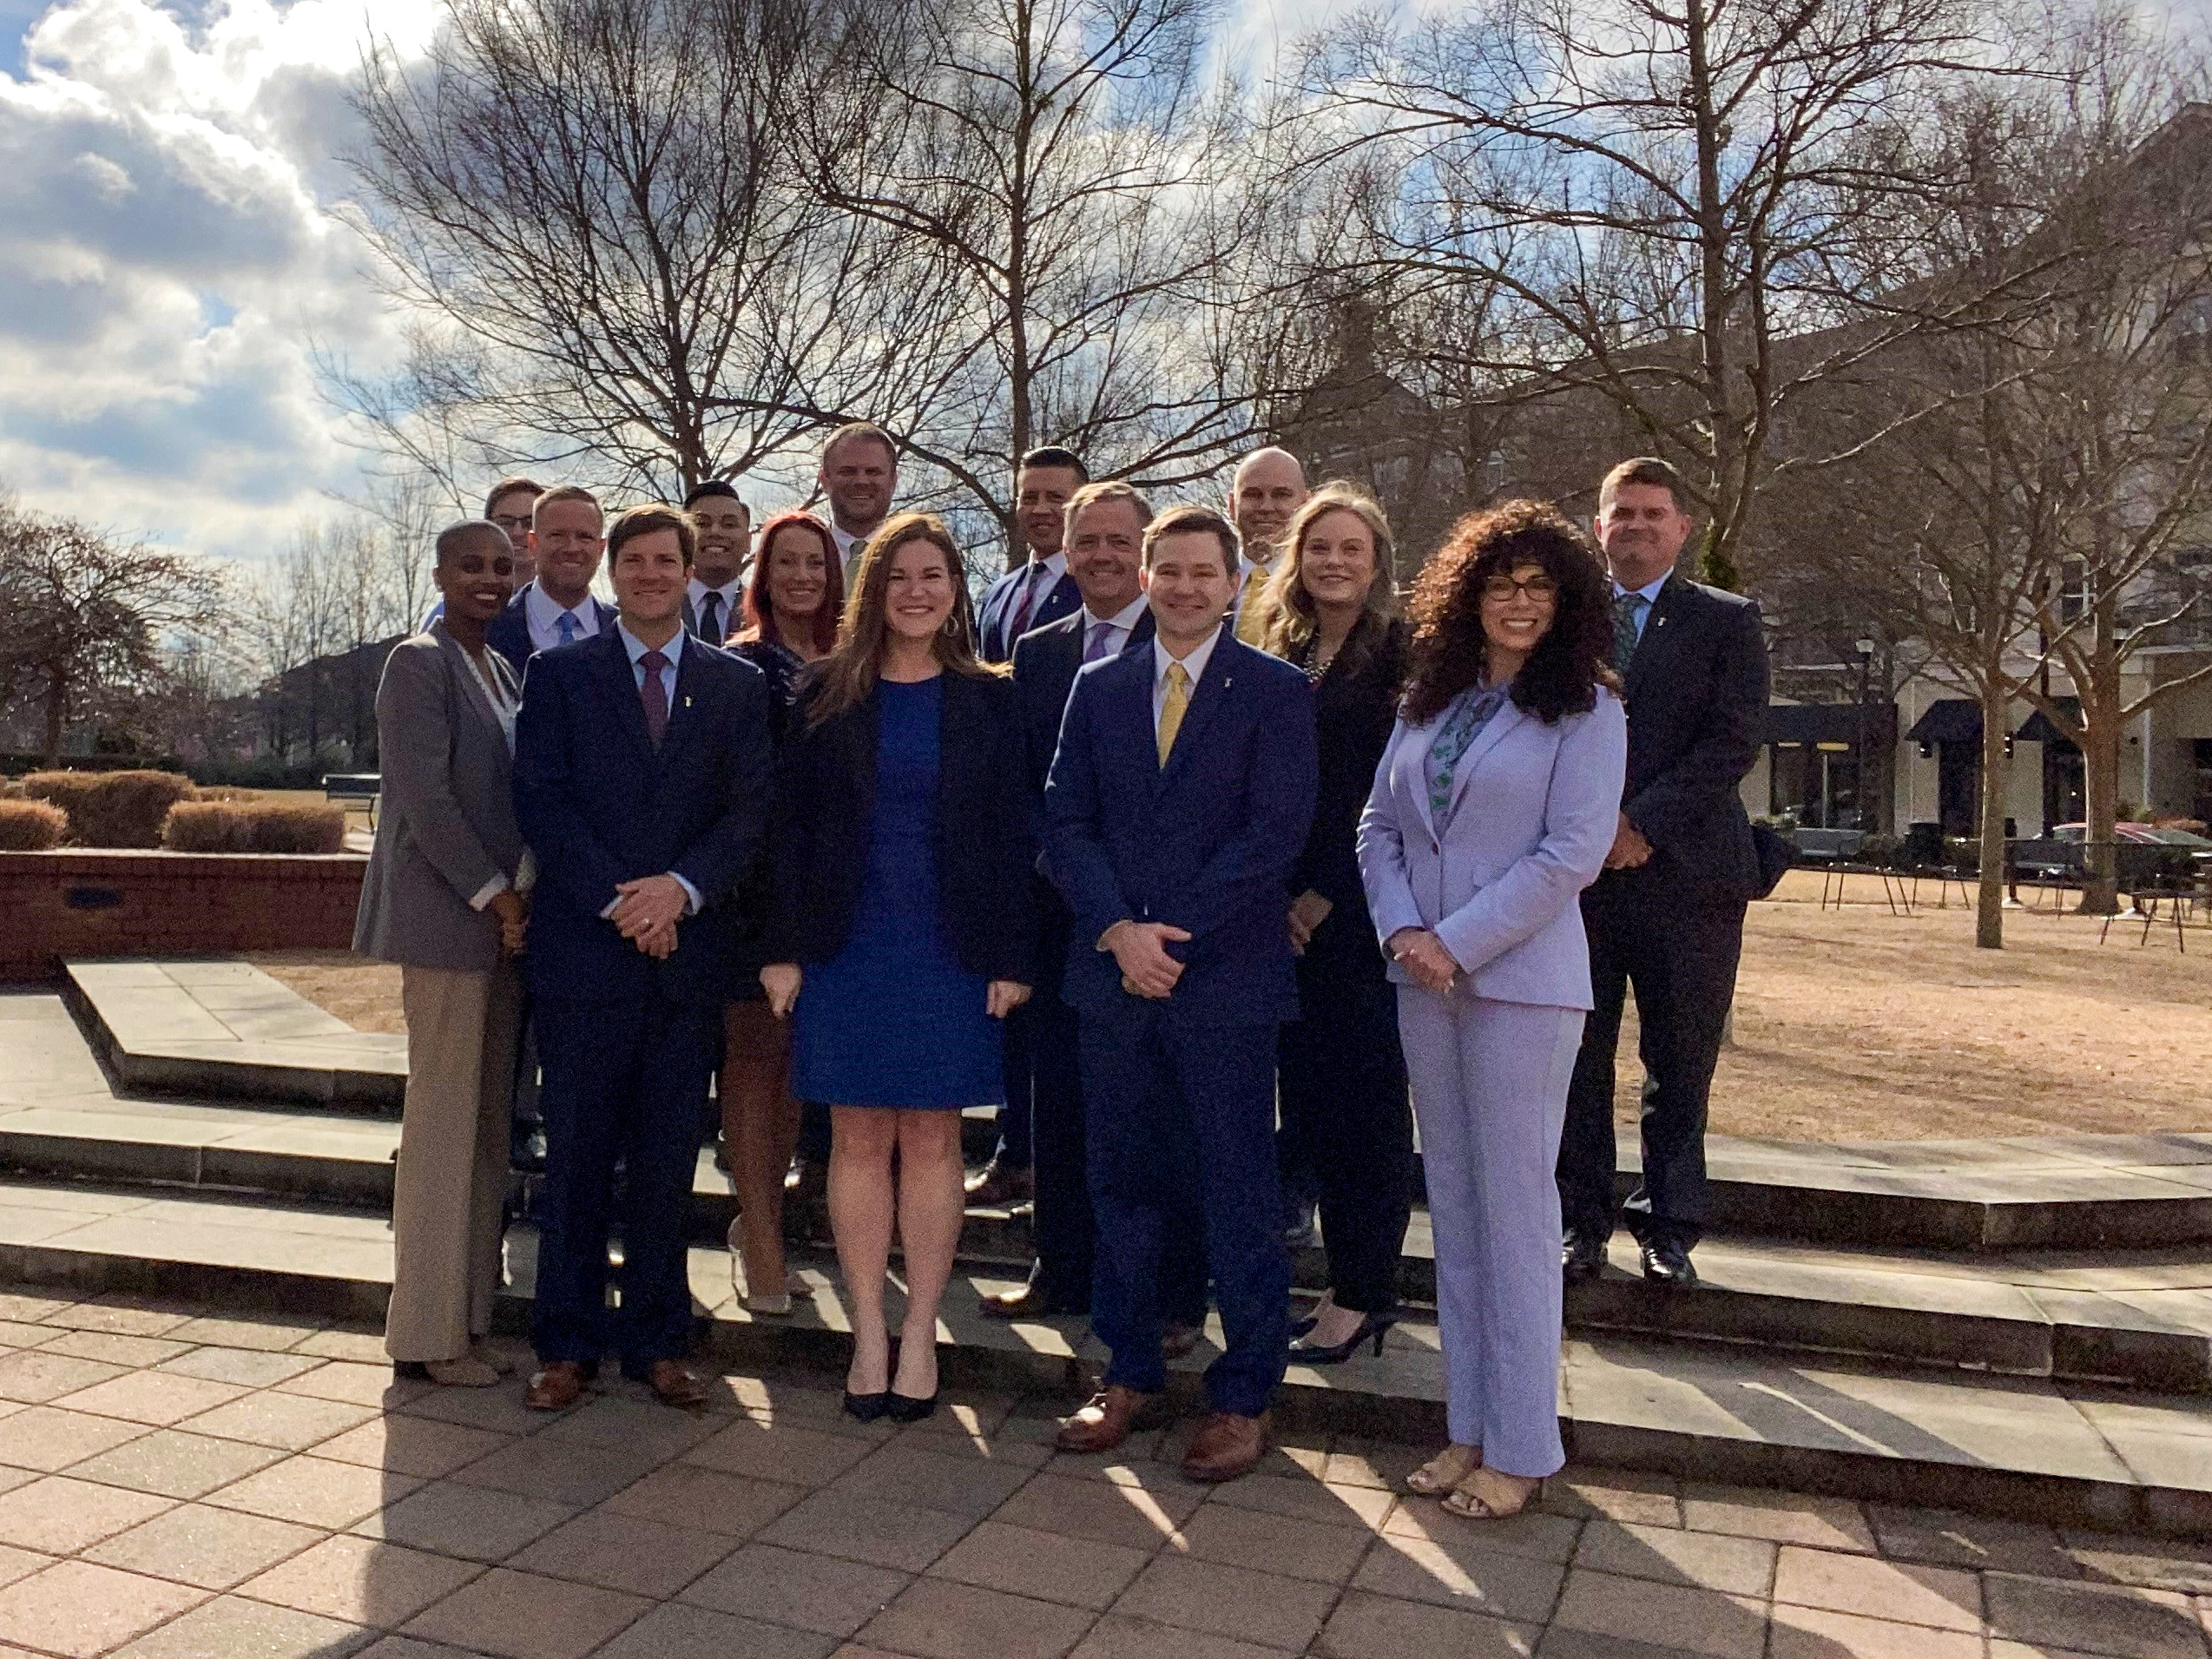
(599, 805)
(1354, 709)
(445, 827)
(1535, 807)
(1204, 843)
(1046, 661)
(994, 616)
(825, 812)
(1696, 695)
(509, 632)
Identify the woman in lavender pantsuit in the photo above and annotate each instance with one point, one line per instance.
(1494, 806)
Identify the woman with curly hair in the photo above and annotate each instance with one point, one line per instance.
(1493, 808)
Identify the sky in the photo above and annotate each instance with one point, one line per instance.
(172, 269)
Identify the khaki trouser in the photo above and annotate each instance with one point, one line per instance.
(453, 1145)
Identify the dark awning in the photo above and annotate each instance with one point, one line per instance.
(1826, 722)
(2037, 728)
(1949, 719)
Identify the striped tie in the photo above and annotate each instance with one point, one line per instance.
(1172, 710)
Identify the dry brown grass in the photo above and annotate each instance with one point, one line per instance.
(1854, 1024)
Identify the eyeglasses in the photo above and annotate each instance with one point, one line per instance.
(511, 522)
(1501, 588)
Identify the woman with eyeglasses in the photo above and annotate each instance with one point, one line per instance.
(1494, 806)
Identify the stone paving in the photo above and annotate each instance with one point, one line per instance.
(179, 1482)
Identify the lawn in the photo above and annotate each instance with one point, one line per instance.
(1855, 1025)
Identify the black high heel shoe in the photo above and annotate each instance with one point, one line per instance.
(905, 1408)
(868, 1407)
(1372, 1328)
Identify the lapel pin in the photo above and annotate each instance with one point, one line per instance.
(687, 702)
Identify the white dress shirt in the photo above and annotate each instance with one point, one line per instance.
(848, 549)
(544, 615)
(1116, 628)
(1194, 664)
(731, 596)
(674, 651)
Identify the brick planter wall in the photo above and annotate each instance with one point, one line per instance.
(81, 903)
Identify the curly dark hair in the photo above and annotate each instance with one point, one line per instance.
(1572, 659)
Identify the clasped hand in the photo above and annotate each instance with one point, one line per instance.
(1425, 959)
(1630, 850)
(1307, 911)
(647, 911)
(1140, 949)
(513, 913)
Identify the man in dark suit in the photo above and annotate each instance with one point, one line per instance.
(1039, 590)
(717, 590)
(1178, 801)
(556, 607)
(1667, 914)
(641, 777)
(1105, 533)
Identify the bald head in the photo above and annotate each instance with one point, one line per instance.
(1267, 488)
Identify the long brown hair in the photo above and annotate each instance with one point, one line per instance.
(1450, 647)
(847, 677)
(761, 621)
(1288, 618)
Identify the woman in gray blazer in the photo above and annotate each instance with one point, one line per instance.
(444, 898)
(1494, 806)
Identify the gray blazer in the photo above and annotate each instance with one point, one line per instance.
(1535, 807)
(446, 822)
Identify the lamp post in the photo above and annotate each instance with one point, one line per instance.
(1866, 650)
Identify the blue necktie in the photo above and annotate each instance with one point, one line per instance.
(567, 624)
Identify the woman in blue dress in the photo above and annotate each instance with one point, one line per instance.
(900, 929)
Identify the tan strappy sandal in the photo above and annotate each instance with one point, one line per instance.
(1445, 1471)
(1486, 1495)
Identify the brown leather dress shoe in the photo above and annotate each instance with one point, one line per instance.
(1029, 1302)
(1177, 1340)
(1108, 1417)
(1226, 1445)
(675, 1383)
(996, 1186)
(556, 1386)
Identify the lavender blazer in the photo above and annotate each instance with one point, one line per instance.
(1535, 807)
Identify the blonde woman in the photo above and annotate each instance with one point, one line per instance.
(1330, 608)
(901, 930)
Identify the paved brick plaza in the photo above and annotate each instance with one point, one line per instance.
(178, 1482)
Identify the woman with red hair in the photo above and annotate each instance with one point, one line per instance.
(789, 621)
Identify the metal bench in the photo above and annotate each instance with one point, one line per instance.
(356, 791)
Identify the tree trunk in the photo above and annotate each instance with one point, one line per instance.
(2101, 798)
(1989, 906)
(58, 706)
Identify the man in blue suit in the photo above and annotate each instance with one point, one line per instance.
(641, 775)
(1039, 590)
(556, 606)
(1179, 799)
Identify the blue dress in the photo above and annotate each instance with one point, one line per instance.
(893, 1020)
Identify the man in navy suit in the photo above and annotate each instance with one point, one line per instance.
(1039, 590)
(641, 775)
(556, 607)
(1105, 536)
(1178, 801)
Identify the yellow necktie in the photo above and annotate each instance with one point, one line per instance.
(1171, 711)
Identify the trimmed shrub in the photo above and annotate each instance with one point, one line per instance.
(253, 826)
(112, 808)
(31, 826)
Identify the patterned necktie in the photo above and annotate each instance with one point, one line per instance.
(567, 623)
(1102, 636)
(1016, 628)
(710, 618)
(1172, 710)
(655, 695)
(1627, 608)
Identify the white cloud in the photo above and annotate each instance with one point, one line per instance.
(170, 263)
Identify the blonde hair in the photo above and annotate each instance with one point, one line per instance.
(1288, 617)
(848, 675)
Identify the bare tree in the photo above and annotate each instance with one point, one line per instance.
(1055, 165)
(593, 207)
(1674, 197)
(90, 625)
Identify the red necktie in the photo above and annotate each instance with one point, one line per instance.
(1020, 624)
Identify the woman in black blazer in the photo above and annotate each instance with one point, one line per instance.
(901, 929)
(1332, 608)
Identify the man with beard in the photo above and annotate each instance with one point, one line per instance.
(724, 525)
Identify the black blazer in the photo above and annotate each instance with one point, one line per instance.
(986, 844)
(1696, 698)
(1354, 711)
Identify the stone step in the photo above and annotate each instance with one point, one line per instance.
(223, 1031)
(2071, 1455)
